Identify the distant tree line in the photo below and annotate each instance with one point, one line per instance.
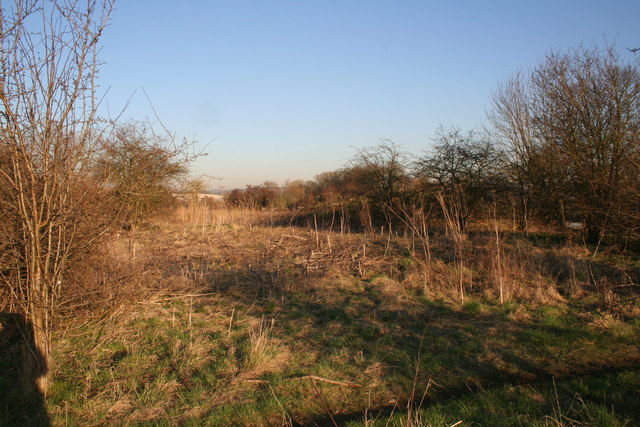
(563, 145)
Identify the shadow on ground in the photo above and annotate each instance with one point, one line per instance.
(343, 325)
(464, 351)
(20, 402)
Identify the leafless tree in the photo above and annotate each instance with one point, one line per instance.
(382, 171)
(142, 170)
(377, 177)
(573, 125)
(48, 65)
(464, 168)
(587, 110)
(511, 120)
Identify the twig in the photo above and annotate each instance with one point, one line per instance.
(325, 380)
(231, 321)
(312, 378)
(286, 414)
(326, 404)
(177, 297)
(155, 113)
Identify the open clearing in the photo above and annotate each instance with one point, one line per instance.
(230, 319)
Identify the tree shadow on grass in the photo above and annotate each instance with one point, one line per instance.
(21, 404)
(463, 352)
(353, 325)
(456, 352)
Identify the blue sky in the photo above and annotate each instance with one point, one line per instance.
(281, 90)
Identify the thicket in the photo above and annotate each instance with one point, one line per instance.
(67, 177)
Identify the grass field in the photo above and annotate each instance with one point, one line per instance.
(224, 318)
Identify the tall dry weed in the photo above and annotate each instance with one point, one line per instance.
(263, 353)
(218, 218)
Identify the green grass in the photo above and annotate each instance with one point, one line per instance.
(609, 399)
(242, 353)
(219, 374)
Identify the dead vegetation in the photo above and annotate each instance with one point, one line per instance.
(214, 315)
(348, 296)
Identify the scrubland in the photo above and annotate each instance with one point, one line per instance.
(236, 317)
(392, 291)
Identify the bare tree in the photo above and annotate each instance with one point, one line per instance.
(573, 126)
(293, 194)
(382, 171)
(587, 110)
(142, 170)
(537, 182)
(511, 121)
(48, 65)
(377, 177)
(464, 168)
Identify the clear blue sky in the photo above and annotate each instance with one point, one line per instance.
(282, 90)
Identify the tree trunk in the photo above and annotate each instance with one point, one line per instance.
(41, 353)
(39, 343)
(36, 353)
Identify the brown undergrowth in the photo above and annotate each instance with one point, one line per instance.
(219, 317)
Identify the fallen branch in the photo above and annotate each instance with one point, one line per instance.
(295, 237)
(169, 298)
(325, 380)
(255, 381)
(308, 377)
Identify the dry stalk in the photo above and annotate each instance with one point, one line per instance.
(498, 252)
(452, 211)
(416, 222)
(311, 378)
(326, 380)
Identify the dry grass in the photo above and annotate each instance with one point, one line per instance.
(207, 219)
(214, 315)
(264, 354)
